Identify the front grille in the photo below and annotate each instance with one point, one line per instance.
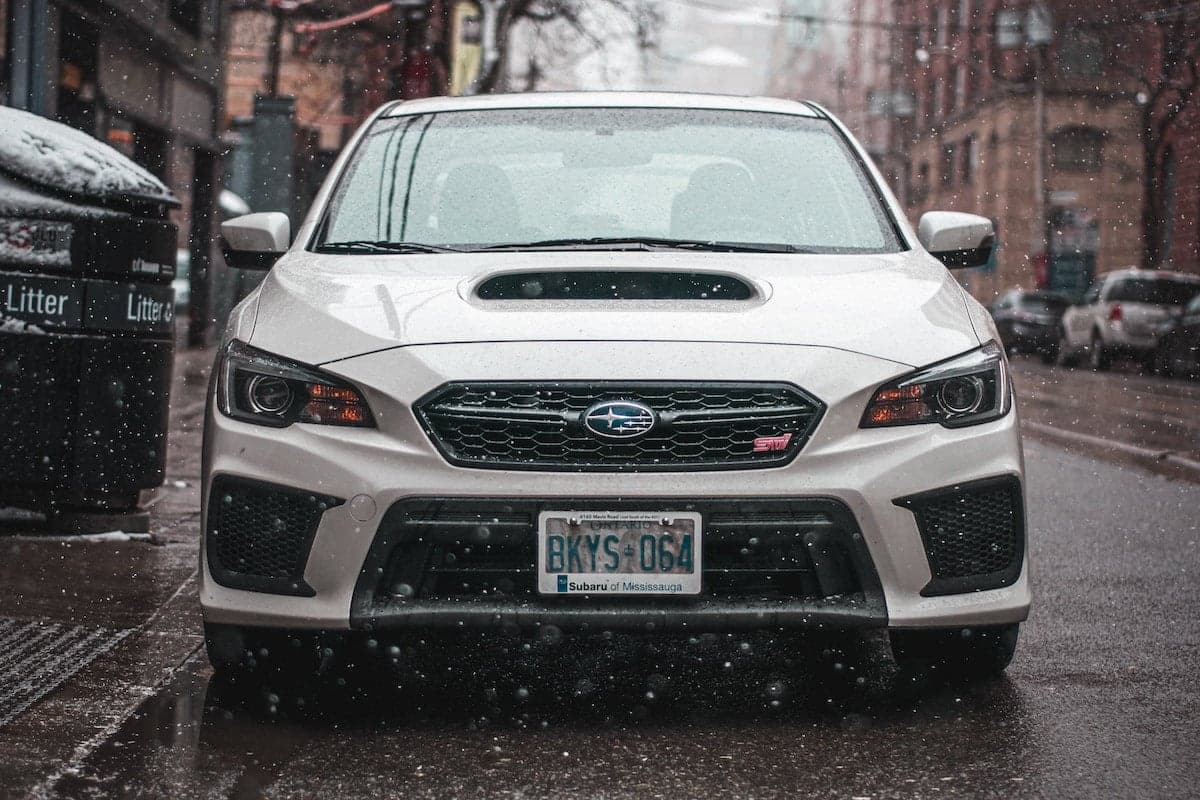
(432, 551)
(974, 535)
(259, 535)
(541, 425)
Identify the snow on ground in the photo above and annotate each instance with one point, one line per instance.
(51, 154)
(12, 325)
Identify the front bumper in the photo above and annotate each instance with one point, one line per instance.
(1120, 339)
(372, 471)
(1032, 335)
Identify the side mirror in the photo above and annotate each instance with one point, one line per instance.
(957, 240)
(255, 241)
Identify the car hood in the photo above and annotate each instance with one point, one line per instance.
(902, 307)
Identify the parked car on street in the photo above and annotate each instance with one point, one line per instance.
(1120, 316)
(1028, 321)
(653, 363)
(1178, 350)
(229, 205)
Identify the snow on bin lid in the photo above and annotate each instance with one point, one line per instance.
(55, 156)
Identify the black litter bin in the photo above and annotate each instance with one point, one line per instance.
(87, 255)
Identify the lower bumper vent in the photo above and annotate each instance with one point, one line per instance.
(259, 535)
(459, 559)
(974, 535)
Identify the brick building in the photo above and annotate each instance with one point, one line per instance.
(332, 62)
(840, 54)
(1036, 121)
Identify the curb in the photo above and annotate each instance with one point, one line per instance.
(1163, 462)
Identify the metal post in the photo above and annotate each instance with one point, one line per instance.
(274, 56)
(1040, 243)
(29, 39)
(489, 22)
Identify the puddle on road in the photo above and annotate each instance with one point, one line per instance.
(199, 738)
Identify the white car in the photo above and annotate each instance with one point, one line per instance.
(610, 362)
(1120, 315)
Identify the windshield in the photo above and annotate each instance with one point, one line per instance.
(471, 179)
(1157, 291)
(1045, 303)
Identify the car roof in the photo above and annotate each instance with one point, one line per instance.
(1162, 274)
(604, 100)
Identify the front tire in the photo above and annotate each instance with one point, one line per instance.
(1162, 361)
(957, 654)
(1064, 356)
(254, 656)
(1098, 356)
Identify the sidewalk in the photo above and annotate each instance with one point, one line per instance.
(96, 626)
(1119, 415)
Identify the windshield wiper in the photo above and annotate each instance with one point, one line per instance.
(382, 246)
(646, 243)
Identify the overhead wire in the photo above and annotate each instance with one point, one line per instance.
(1148, 17)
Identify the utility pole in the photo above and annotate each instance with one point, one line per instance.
(29, 43)
(274, 56)
(490, 11)
(1039, 33)
(1040, 240)
(1038, 36)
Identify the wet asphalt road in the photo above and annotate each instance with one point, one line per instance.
(1102, 700)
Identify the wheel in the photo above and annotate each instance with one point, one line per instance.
(1158, 362)
(1098, 357)
(1049, 354)
(1064, 355)
(955, 654)
(251, 657)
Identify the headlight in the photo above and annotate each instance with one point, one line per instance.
(268, 390)
(966, 390)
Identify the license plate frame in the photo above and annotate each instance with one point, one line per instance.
(595, 577)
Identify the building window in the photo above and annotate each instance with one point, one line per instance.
(949, 163)
(970, 158)
(1078, 149)
(1166, 231)
(187, 14)
(801, 33)
(1009, 32)
(4, 45)
(920, 189)
(960, 86)
(1080, 55)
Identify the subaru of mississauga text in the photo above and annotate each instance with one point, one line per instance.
(610, 362)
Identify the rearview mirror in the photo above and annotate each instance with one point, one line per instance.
(255, 241)
(957, 240)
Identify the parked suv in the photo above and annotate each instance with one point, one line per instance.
(651, 363)
(1028, 321)
(1121, 314)
(1178, 351)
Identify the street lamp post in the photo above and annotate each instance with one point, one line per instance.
(1039, 33)
(1033, 30)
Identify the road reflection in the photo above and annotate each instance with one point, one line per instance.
(454, 722)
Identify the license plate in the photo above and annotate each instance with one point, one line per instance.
(618, 552)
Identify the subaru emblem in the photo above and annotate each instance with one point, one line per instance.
(619, 419)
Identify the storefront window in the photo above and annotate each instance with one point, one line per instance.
(4, 66)
(1079, 149)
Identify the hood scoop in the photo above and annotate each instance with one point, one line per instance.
(615, 285)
